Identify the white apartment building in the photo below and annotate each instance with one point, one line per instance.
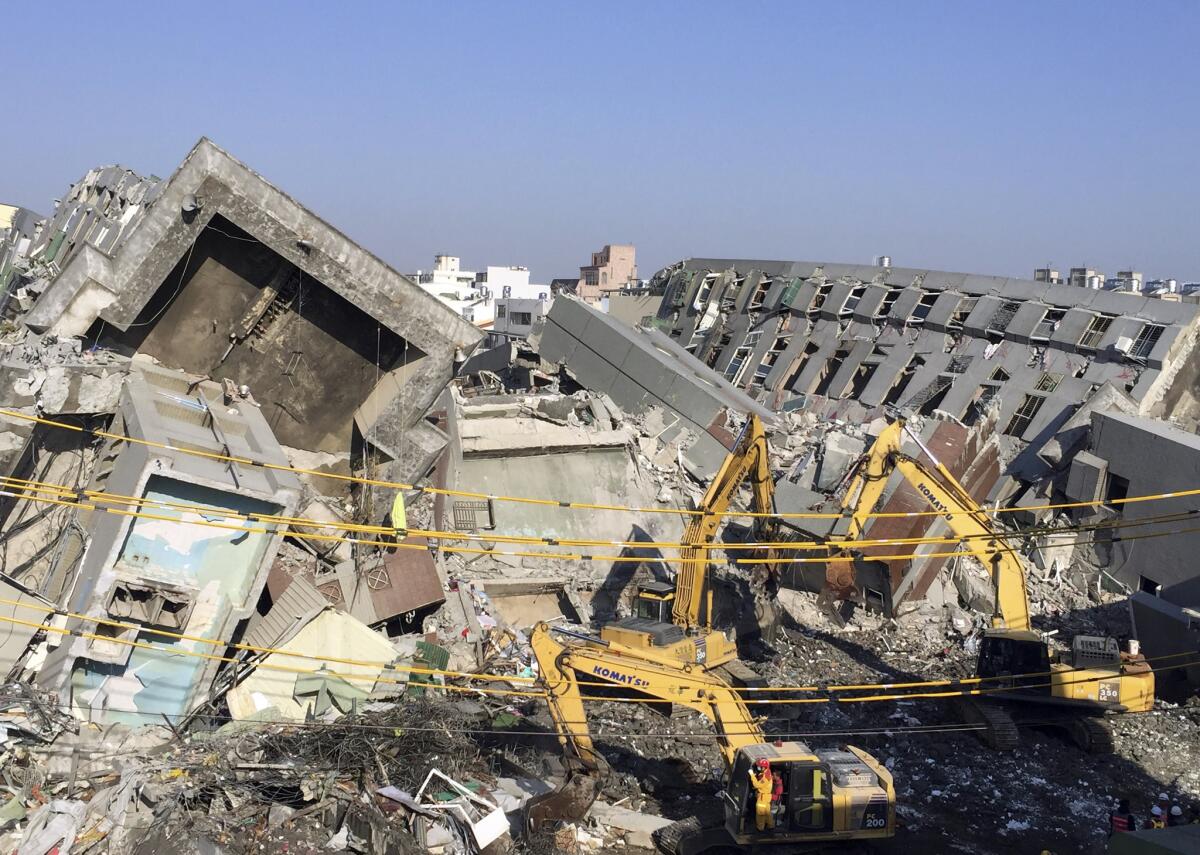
(473, 295)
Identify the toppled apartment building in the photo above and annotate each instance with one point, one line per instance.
(205, 316)
(217, 273)
(928, 341)
(169, 569)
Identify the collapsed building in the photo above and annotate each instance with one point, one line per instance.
(213, 398)
(210, 318)
(928, 341)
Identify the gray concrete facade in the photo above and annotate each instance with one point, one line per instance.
(1129, 455)
(170, 267)
(210, 575)
(641, 368)
(928, 341)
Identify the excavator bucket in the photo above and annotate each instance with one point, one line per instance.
(569, 802)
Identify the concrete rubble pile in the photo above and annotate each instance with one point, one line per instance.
(227, 629)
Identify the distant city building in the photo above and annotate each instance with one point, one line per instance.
(516, 316)
(447, 270)
(505, 282)
(1131, 280)
(612, 268)
(458, 289)
(473, 295)
(1086, 277)
(1047, 274)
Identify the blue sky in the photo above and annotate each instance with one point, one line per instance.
(988, 138)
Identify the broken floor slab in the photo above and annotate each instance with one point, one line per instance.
(274, 686)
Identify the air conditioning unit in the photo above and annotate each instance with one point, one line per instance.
(1123, 344)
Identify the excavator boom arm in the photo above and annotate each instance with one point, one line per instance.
(962, 513)
(709, 695)
(748, 459)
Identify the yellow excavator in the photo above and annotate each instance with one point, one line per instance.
(827, 795)
(1071, 690)
(677, 618)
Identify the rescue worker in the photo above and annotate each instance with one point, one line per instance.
(1156, 819)
(763, 782)
(1175, 817)
(776, 797)
(1121, 819)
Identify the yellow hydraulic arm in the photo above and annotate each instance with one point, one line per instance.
(944, 494)
(747, 459)
(560, 664)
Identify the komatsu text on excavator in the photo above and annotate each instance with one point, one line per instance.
(1071, 690)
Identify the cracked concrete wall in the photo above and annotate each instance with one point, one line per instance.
(95, 286)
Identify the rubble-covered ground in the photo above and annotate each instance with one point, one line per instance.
(953, 793)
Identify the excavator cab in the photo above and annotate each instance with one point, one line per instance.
(825, 795)
(654, 601)
(1004, 652)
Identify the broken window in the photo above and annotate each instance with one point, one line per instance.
(1002, 316)
(959, 364)
(1000, 375)
(737, 366)
(772, 356)
(897, 387)
(150, 605)
(1048, 382)
(760, 293)
(889, 300)
(1048, 324)
(862, 377)
(1023, 417)
(852, 300)
(1116, 490)
(501, 311)
(1147, 338)
(831, 370)
(979, 403)
(470, 516)
(810, 350)
(964, 308)
(522, 319)
(703, 292)
(1094, 334)
(1148, 586)
(818, 299)
(921, 310)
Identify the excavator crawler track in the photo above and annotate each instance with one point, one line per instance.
(672, 839)
(1093, 735)
(1000, 733)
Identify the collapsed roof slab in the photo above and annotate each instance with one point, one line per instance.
(220, 231)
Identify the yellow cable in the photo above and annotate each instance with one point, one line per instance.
(569, 556)
(399, 485)
(476, 675)
(684, 683)
(45, 487)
